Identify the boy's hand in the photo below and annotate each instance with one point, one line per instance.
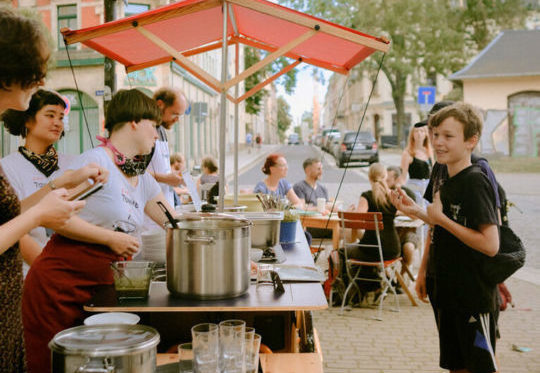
(403, 202)
(435, 210)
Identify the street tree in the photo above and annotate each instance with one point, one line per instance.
(288, 80)
(284, 118)
(427, 37)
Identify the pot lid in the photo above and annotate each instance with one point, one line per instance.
(207, 219)
(105, 340)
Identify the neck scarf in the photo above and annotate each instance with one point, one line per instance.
(46, 163)
(129, 166)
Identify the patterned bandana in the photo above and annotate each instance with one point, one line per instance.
(46, 163)
(129, 166)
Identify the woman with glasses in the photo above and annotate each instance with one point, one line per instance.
(275, 167)
(78, 258)
(36, 162)
(23, 65)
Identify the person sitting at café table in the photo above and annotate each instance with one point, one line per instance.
(275, 167)
(376, 200)
(36, 163)
(209, 176)
(178, 165)
(407, 236)
(78, 258)
(310, 189)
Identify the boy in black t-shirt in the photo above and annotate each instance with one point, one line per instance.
(465, 233)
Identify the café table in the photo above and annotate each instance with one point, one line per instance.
(333, 222)
(279, 318)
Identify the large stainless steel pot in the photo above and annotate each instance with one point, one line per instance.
(106, 349)
(208, 256)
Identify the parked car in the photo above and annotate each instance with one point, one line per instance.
(363, 150)
(317, 140)
(334, 141)
(325, 133)
(294, 139)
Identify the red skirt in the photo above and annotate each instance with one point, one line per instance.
(60, 281)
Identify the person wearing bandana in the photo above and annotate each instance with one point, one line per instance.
(36, 163)
(78, 257)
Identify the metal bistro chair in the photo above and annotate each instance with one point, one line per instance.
(386, 270)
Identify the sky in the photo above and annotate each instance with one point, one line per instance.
(302, 98)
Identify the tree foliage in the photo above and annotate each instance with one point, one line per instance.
(427, 37)
(284, 118)
(288, 80)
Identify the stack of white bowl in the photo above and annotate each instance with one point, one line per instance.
(153, 246)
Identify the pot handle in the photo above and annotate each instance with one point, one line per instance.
(106, 368)
(209, 240)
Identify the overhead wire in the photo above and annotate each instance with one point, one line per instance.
(316, 255)
(78, 94)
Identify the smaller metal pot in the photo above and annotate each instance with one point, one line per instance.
(105, 349)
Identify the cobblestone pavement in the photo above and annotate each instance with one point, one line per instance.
(407, 341)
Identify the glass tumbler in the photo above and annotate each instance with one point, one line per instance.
(205, 348)
(185, 357)
(231, 346)
(253, 344)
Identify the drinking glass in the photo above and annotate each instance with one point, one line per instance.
(185, 355)
(264, 276)
(253, 344)
(205, 348)
(231, 346)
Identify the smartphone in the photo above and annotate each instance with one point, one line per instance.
(87, 192)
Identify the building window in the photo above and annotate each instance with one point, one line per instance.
(67, 17)
(133, 8)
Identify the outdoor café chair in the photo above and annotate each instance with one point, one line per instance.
(386, 270)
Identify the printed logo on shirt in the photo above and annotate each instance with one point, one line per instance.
(127, 199)
(455, 214)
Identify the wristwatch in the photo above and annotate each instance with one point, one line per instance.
(52, 185)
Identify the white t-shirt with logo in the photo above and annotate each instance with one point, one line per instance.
(26, 179)
(118, 203)
(161, 164)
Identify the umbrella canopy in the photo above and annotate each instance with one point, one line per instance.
(177, 31)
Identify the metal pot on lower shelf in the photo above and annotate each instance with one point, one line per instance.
(105, 348)
(208, 256)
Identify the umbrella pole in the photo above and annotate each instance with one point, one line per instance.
(223, 112)
(236, 119)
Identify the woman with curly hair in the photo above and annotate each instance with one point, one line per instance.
(23, 64)
(36, 162)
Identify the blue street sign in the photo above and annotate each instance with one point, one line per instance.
(100, 92)
(426, 95)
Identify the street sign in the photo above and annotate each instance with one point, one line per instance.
(426, 95)
(100, 92)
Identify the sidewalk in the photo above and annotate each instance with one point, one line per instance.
(407, 342)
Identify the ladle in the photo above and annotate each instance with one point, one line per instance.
(172, 220)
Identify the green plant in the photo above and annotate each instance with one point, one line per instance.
(290, 215)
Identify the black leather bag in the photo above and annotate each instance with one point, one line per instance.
(509, 259)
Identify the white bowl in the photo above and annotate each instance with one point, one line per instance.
(255, 254)
(112, 318)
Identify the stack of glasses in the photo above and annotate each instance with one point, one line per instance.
(230, 347)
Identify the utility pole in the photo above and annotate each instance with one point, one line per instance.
(110, 75)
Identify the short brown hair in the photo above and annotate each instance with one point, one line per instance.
(167, 95)
(24, 50)
(130, 105)
(309, 161)
(464, 113)
(177, 157)
(210, 163)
